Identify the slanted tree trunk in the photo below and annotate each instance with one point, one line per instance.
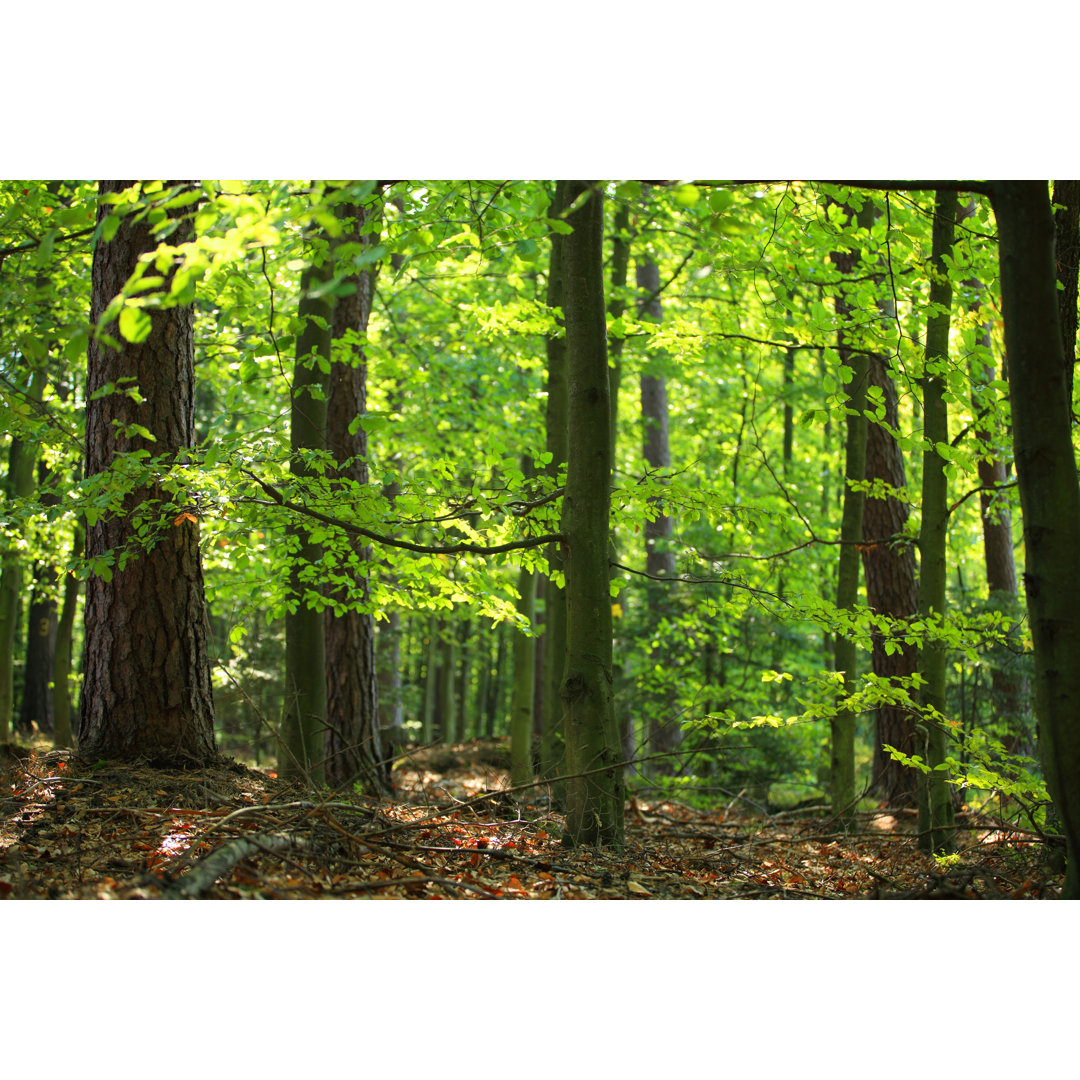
(353, 747)
(146, 688)
(1049, 490)
(936, 814)
(595, 791)
(304, 714)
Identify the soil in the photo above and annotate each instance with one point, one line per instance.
(73, 829)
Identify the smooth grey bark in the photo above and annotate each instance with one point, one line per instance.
(665, 734)
(1049, 489)
(936, 813)
(304, 714)
(595, 789)
(842, 726)
(552, 739)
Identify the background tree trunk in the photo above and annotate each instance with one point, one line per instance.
(146, 689)
(936, 815)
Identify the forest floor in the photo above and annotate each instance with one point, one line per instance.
(76, 830)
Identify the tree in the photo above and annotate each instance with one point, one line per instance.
(353, 746)
(595, 788)
(1049, 488)
(146, 688)
(304, 714)
(842, 770)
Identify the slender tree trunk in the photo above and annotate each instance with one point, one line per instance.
(842, 741)
(936, 815)
(20, 484)
(595, 800)
(524, 686)
(552, 741)
(664, 731)
(62, 733)
(304, 719)
(1049, 490)
(1008, 686)
(1067, 259)
(353, 746)
(146, 689)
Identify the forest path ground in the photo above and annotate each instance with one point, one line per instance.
(76, 830)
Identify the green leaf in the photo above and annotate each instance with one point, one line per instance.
(134, 325)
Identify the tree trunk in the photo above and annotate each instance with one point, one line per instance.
(62, 733)
(353, 747)
(936, 816)
(1067, 260)
(1049, 491)
(892, 589)
(524, 686)
(146, 689)
(304, 716)
(842, 726)
(665, 733)
(552, 741)
(594, 801)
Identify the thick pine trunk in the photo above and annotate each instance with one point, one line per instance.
(595, 790)
(146, 688)
(892, 589)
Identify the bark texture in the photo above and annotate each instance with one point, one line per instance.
(936, 814)
(892, 589)
(595, 790)
(842, 726)
(1049, 490)
(353, 745)
(146, 687)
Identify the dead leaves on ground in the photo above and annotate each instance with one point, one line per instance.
(73, 830)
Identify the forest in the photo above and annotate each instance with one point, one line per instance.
(641, 539)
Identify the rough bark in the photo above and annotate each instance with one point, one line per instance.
(146, 688)
(595, 790)
(1049, 490)
(936, 814)
(892, 589)
(353, 747)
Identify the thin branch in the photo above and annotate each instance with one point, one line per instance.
(390, 541)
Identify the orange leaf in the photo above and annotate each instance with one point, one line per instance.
(185, 516)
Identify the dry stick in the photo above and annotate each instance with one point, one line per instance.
(205, 872)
